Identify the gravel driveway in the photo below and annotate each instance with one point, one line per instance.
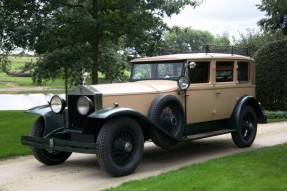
(81, 171)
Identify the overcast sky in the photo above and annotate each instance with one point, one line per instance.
(218, 16)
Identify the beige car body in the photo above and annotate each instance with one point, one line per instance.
(205, 101)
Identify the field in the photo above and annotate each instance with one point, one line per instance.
(7, 81)
(10, 84)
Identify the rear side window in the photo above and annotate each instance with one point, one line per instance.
(224, 71)
(200, 74)
(243, 71)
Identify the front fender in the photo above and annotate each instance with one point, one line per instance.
(247, 100)
(148, 126)
(52, 120)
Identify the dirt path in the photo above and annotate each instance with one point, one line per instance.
(81, 172)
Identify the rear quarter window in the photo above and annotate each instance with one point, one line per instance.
(243, 72)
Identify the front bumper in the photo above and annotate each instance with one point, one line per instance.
(52, 144)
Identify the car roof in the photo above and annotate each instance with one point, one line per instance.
(192, 56)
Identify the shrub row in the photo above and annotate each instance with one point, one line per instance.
(276, 114)
(271, 75)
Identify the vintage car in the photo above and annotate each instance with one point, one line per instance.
(168, 100)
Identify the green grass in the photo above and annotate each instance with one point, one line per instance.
(263, 169)
(18, 61)
(7, 81)
(13, 124)
(276, 120)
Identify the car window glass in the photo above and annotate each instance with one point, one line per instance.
(224, 71)
(142, 71)
(162, 70)
(200, 74)
(243, 71)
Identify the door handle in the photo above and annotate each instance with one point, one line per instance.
(217, 93)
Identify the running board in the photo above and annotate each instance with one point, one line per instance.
(208, 134)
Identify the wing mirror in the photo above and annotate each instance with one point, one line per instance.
(191, 65)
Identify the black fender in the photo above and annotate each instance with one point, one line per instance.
(52, 120)
(250, 101)
(149, 128)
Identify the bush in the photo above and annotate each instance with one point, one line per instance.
(276, 114)
(271, 65)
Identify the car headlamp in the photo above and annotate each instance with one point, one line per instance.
(183, 82)
(57, 104)
(84, 105)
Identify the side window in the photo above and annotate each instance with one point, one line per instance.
(224, 71)
(200, 74)
(243, 71)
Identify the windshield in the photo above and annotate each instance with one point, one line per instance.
(157, 70)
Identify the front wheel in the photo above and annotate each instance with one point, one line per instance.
(120, 142)
(246, 134)
(42, 155)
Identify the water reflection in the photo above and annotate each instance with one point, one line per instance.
(23, 101)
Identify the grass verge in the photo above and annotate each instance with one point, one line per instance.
(13, 124)
(263, 169)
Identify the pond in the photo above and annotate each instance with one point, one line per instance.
(23, 101)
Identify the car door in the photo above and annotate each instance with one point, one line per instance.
(200, 99)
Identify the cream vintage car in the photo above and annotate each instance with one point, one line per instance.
(169, 99)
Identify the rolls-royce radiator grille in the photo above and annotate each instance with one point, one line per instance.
(76, 120)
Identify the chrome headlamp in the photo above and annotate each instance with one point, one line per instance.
(84, 105)
(183, 82)
(57, 104)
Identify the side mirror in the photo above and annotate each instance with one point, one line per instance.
(183, 82)
(191, 65)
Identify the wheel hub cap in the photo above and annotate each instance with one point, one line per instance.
(173, 120)
(128, 147)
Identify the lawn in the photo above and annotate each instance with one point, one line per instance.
(16, 62)
(13, 124)
(263, 169)
(7, 81)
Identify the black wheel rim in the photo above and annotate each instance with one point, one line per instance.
(169, 119)
(123, 147)
(247, 127)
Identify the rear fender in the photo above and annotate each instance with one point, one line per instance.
(250, 101)
(52, 120)
(149, 128)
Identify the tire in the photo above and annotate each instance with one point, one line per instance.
(121, 143)
(247, 128)
(167, 112)
(42, 155)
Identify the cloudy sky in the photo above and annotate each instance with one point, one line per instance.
(218, 16)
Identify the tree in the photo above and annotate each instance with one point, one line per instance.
(186, 39)
(50, 26)
(254, 40)
(222, 39)
(276, 12)
(271, 89)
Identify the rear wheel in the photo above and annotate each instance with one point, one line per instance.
(120, 143)
(246, 134)
(42, 155)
